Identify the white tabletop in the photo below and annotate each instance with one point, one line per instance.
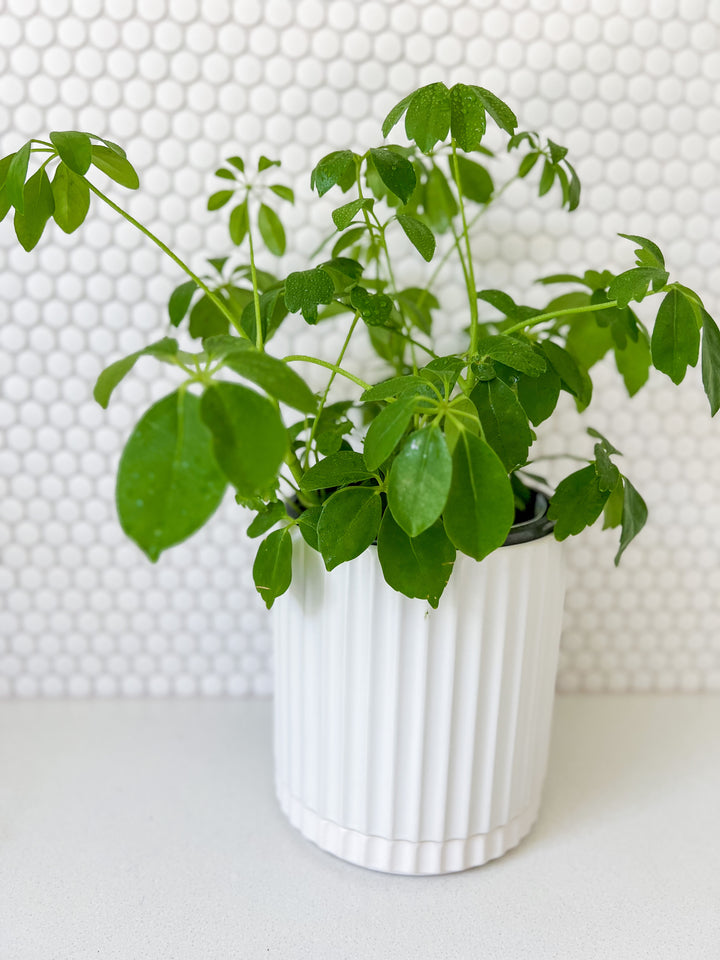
(149, 831)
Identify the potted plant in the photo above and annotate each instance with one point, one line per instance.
(411, 731)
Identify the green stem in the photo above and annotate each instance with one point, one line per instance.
(253, 277)
(329, 366)
(324, 397)
(470, 280)
(218, 301)
(541, 318)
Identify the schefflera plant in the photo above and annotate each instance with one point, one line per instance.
(443, 466)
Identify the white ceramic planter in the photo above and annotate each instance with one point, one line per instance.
(412, 740)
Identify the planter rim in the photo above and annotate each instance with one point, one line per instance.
(539, 525)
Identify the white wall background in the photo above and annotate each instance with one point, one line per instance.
(631, 86)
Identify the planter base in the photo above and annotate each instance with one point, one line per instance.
(407, 857)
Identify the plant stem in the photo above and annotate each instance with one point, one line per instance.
(329, 366)
(533, 321)
(470, 279)
(218, 301)
(323, 400)
(253, 277)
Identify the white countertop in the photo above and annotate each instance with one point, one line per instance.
(148, 831)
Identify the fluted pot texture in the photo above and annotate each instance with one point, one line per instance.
(412, 740)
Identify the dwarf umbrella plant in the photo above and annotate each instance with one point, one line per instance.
(440, 466)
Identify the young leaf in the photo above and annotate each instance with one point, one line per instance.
(419, 480)
(305, 290)
(513, 353)
(337, 470)
(391, 388)
(180, 301)
(343, 216)
(557, 153)
(607, 473)
(418, 234)
(539, 395)
(168, 483)
(634, 516)
(574, 190)
(675, 342)
(219, 199)
(387, 429)
(547, 178)
(238, 223)
(39, 207)
(475, 181)
(335, 168)
(74, 149)
(649, 253)
(114, 166)
(467, 117)
(397, 111)
(15, 177)
(415, 566)
(271, 230)
(71, 196)
(374, 308)
(225, 174)
(285, 193)
(428, 116)
(633, 284)
(574, 378)
(238, 163)
(633, 363)
(499, 111)
(577, 502)
(272, 569)
(274, 376)
(348, 524)
(481, 507)
(264, 163)
(348, 239)
(711, 361)
(605, 443)
(249, 438)
(527, 163)
(165, 349)
(395, 171)
(504, 422)
(266, 518)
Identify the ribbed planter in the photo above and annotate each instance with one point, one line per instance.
(412, 740)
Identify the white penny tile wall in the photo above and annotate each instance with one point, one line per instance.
(631, 86)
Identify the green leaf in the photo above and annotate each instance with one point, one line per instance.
(335, 168)
(249, 438)
(391, 388)
(238, 224)
(574, 378)
(476, 182)
(266, 518)
(207, 319)
(467, 117)
(39, 207)
(481, 507)
(539, 395)
(675, 342)
(272, 569)
(15, 177)
(348, 239)
(586, 341)
(168, 483)
(179, 301)
(428, 116)
(348, 524)
(271, 230)
(71, 196)
(337, 470)
(439, 202)
(513, 353)
(374, 308)
(264, 163)
(306, 289)
(344, 216)
(387, 429)
(633, 363)
(307, 524)
(415, 566)
(574, 191)
(418, 234)
(165, 349)
(397, 111)
(225, 174)
(612, 511)
(607, 446)
(711, 361)
(577, 502)
(114, 166)
(74, 149)
(557, 153)
(5, 204)
(219, 199)
(504, 422)
(285, 193)
(547, 178)
(274, 376)
(417, 304)
(395, 171)
(419, 480)
(649, 253)
(607, 473)
(527, 163)
(501, 301)
(633, 284)
(238, 163)
(499, 111)
(634, 516)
